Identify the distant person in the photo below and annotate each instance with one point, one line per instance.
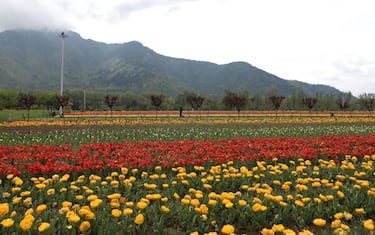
(181, 115)
(9, 117)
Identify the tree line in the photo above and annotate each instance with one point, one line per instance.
(80, 100)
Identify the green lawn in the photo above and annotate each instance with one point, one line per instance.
(21, 114)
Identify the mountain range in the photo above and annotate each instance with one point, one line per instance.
(32, 60)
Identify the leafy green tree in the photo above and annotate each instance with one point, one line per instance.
(8, 99)
(46, 100)
(184, 98)
(293, 101)
(367, 101)
(129, 101)
(328, 102)
(77, 97)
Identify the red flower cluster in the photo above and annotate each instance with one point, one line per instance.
(46, 159)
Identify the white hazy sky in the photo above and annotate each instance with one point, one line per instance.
(330, 42)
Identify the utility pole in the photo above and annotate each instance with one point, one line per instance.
(62, 35)
(84, 100)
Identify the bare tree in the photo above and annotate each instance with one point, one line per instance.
(27, 101)
(197, 101)
(343, 101)
(62, 101)
(235, 100)
(276, 101)
(157, 100)
(309, 102)
(110, 101)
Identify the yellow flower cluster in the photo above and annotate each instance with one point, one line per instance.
(265, 197)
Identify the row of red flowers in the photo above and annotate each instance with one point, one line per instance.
(47, 159)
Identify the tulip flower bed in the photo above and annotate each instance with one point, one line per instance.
(188, 176)
(76, 134)
(49, 159)
(208, 120)
(283, 185)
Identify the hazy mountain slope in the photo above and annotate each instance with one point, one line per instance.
(32, 60)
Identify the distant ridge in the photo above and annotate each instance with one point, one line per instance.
(32, 60)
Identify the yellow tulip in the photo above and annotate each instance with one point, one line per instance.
(84, 226)
(242, 202)
(26, 224)
(6, 223)
(299, 203)
(4, 209)
(51, 191)
(41, 208)
(319, 222)
(139, 219)
(67, 204)
(43, 227)
(128, 211)
(227, 229)
(116, 213)
(267, 231)
(194, 202)
(164, 209)
(40, 186)
(336, 223)
(141, 205)
(74, 218)
(17, 181)
(96, 203)
(369, 224)
(229, 205)
(360, 211)
(278, 228)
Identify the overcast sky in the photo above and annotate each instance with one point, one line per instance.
(330, 42)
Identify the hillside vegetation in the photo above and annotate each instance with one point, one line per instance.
(32, 60)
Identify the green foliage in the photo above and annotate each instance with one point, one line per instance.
(367, 101)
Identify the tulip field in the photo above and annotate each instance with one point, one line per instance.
(260, 175)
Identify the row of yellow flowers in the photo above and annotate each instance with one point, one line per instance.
(259, 197)
(285, 120)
